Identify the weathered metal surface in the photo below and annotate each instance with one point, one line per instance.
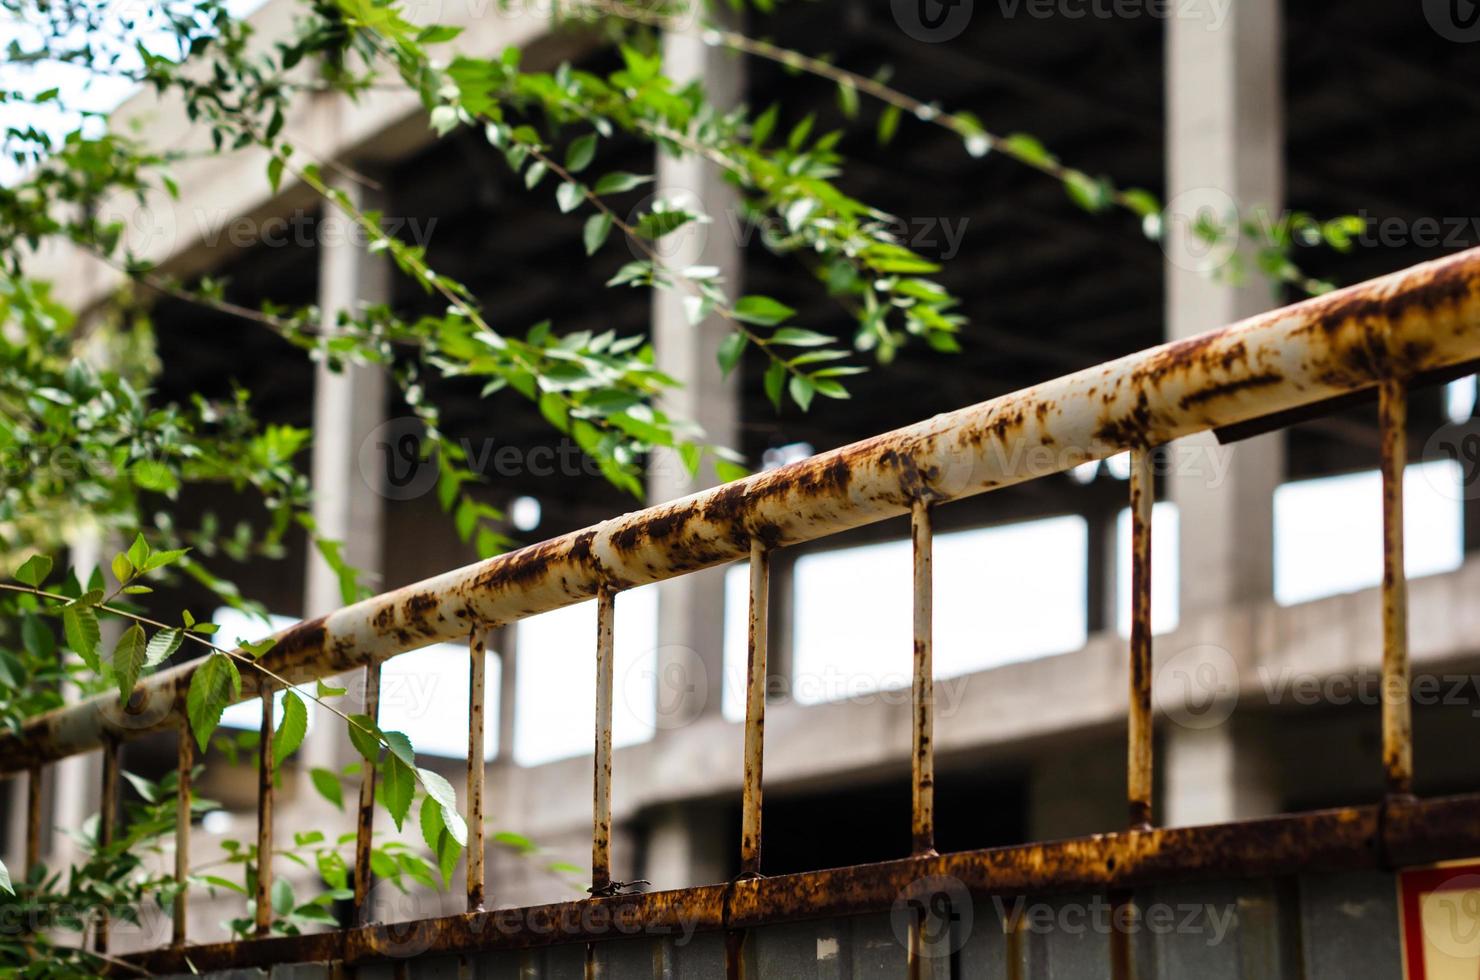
(601, 804)
(1307, 927)
(1138, 759)
(922, 750)
(1397, 707)
(107, 824)
(33, 819)
(365, 813)
(262, 914)
(1418, 320)
(478, 665)
(185, 760)
(1350, 839)
(755, 709)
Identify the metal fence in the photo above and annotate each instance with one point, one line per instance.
(1414, 327)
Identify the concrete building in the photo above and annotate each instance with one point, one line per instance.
(1266, 671)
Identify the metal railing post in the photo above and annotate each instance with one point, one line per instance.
(755, 710)
(1397, 708)
(263, 916)
(185, 761)
(365, 814)
(478, 665)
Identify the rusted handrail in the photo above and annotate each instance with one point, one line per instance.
(1385, 334)
(1419, 320)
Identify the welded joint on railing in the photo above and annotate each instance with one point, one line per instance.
(1139, 772)
(478, 664)
(365, 810)
(262, 918)
(1397, 709)
(185, 761)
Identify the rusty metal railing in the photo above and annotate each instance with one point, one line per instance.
(1388, 334)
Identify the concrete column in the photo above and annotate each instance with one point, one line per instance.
(1224, 149)
(1225, 141)
(686, 845)
(691, 608)
(347, 407)
(1220, 773)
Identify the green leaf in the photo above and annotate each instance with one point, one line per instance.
(328, 786)
(775, 381)
(582, 151)
(364, 735)
(123, 569)
(282, 896)
(291, 729)
(438, 838)
(796, 337)
(80, 626)
(328, 690)
(5, 885)
(802, 389)
(762, 310)
(138, 552)
(569, 196)
(37, 637)
(128, 660)
(1028, 149)
(214, 685)
(618, 181)
(888, 124)
(398, 785)
(438, 788)
(400, 747)
(162, 646)
(535, 174)
(598, 226)
(33, 570)
(1091, 194)
(730, 350)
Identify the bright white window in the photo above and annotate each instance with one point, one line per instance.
(238, 628)
(1165, 569)
(423, 693)
(1002, 594)
(556, 688)
(1328, 532)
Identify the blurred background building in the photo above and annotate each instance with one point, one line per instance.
(1268, 549)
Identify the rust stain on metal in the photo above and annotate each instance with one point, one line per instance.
(922, 754)
(184, 762)
(1421, 319)
(755, 710)
(107, 824)
(262, 918)
(1397, 709)
(479, 664)
(1350, 838)
(365, 813)
(33, 819)
(1138, 760)
(601, 807)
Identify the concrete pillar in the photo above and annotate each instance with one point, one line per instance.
(686, 845)
(1224, 145)
(1224, 153)
(1220, 773)
(691, 608)
(348, 406)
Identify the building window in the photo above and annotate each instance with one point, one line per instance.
(1328, 531)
